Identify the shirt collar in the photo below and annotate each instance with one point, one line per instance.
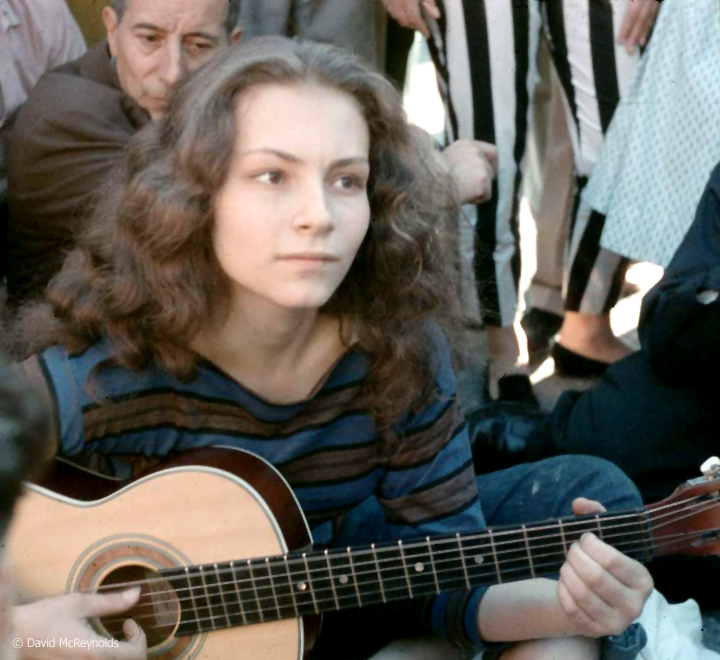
(8, 17)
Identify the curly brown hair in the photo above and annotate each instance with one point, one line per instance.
(144, 274)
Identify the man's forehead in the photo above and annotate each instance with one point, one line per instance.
(171, 15)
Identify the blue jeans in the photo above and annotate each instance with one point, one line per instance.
(527, 493)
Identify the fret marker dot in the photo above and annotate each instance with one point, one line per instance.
(479, 559)
(343, 579)
(419, 567)
(302, 586)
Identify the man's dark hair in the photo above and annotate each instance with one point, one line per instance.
(233, 15)
(24, 427)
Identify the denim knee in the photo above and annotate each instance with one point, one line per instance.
(597, 479)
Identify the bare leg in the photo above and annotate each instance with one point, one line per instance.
(568, 648)
(507, 353)
(591, 336)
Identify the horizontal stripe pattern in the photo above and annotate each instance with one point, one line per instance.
(327, 448)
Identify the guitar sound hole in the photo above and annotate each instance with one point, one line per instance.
(157, 612)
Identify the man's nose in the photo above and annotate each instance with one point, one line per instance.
(174, 65)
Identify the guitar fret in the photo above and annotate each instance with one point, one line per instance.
(207, 597)
(191, 590)
(432, 564)
(495, 557)
(562, 537)
(237, 591)
(462, 559)
(310, 584)
(404, 564)
(222, 595)
(272, 586)
(255, 591)
(332, 580)
(292, 586)
(377, 569)
(647, 535)
(599, 526)
(529, 553)
(354, 575)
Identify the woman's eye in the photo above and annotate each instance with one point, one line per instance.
(273, 178)
(349, 183)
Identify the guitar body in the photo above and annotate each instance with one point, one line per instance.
(196, 509)
(221, 550)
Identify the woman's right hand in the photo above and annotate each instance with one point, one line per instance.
(65, 617)
(409, 13)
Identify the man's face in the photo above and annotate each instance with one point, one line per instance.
(159, 42)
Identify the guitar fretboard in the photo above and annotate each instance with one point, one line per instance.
(268, 589)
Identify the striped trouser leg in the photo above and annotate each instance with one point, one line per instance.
(594, 72)
(484, 52)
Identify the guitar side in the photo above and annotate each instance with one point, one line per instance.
(198, 508)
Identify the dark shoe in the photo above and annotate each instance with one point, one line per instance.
(517, 388)
(540, 328)
(499, 434)
(573, 365)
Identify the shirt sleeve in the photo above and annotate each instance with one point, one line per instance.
(678, 331)
(430, 489)
(51, 374)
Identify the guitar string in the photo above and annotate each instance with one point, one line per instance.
(453, 540)
(491, 572)
(273, 609)
(519, 542)
(481, 535)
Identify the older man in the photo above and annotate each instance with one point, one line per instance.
(73, 129)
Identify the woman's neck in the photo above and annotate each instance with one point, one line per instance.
(278, 353)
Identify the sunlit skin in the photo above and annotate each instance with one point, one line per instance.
(294, 209)
(159, 42)
(289, 220)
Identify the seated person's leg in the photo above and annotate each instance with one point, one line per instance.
(546, 489)
(659, 435)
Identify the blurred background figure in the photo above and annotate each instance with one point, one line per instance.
(665, 138)
(35, 36)
(23, 434)
(485, 54)
(356, 25)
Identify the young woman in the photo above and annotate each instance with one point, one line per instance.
(273, 272)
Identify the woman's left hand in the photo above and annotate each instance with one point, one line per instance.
(639, 20)
(601, 591)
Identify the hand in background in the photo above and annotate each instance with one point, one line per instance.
(66, 617)
(409, 13)
(601, 591)
(473, 166)
(639, 20)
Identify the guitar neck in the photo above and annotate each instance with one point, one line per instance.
(289, 586)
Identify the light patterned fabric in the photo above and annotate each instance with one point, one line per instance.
(665, 137)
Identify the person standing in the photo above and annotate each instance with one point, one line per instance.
(485, 53)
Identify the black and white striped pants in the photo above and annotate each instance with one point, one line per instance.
(485, 54)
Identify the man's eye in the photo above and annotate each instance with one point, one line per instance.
(273, 178)
(149, 38)
(201, 47)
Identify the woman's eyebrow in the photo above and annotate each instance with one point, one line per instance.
(284, 155)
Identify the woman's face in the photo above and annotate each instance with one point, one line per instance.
(294, 209)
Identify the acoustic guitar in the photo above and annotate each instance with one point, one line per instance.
(220, 547)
